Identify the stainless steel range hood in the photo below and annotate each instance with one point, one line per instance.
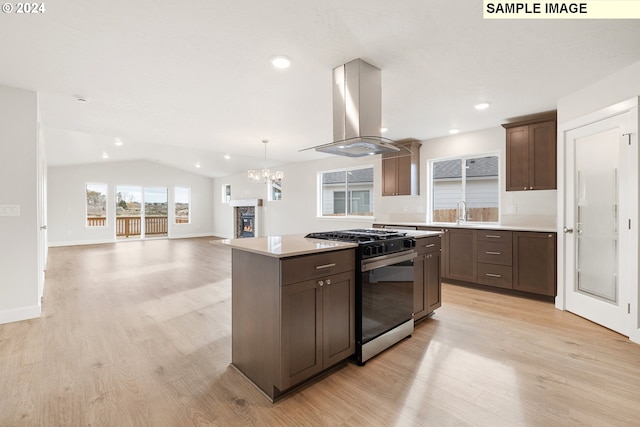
(357, 112)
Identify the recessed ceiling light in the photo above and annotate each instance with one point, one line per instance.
(105, 155)
(454, 131)
(226, 156)
(118, 142)
(482, 106)
(281, 61)
(198, 165)
(383, 130)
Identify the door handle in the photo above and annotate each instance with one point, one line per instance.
(44, 227)
(567, 230)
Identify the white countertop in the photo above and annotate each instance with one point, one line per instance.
(475, 225)
(285, 246)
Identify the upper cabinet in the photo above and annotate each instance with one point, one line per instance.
(401, 169)
(531, 153)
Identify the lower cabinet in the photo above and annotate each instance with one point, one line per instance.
(534, 268)
(427, 288)
(461, 259)
(291, 318)
(317, 326)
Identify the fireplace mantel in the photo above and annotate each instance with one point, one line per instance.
(245, 202)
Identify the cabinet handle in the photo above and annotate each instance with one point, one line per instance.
(320, 282)
(430, 246)
(492, 236)
(493, 275)
(320, 267)
(493, 253)
(328, 281)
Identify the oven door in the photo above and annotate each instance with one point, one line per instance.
(387, 293)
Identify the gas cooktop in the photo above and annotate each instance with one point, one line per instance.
(359, 235)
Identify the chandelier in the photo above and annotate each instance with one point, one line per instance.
(265, 174)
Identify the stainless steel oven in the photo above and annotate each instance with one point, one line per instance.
(384, 287)
(385, 315)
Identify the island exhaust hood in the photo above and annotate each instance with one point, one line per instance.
(357, 112)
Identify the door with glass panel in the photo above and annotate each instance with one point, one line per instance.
(141, 212)
(598, 212)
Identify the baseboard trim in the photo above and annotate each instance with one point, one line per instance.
(18, 314)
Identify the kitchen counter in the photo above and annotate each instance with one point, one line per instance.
(471, 225)
(285, 246)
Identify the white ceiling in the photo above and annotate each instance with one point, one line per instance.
(185, 82)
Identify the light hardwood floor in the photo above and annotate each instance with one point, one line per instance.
(138, 334)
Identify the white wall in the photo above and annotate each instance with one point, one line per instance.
(297, 211)
(67, 199)
(18, 186)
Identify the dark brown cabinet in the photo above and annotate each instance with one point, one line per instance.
(427, 288)
(401, 169)
(460, 256)
(317, 329)
(531, 154)
(534, 268)
(495, 256)
(292, 318)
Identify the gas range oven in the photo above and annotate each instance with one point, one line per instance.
(384, 286)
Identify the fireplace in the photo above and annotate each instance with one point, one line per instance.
(246, 221)
(246, 217)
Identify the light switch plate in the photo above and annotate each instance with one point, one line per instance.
(9, 210)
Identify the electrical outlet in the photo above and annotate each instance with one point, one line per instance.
(9, 210)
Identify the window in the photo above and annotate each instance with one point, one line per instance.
(182, 198)
(346, 192)
(226, 193)
(96, 205)
(472, 180)
(275, 190)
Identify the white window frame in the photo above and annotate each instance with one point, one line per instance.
(175, 195)
(224, 193)
(430, 163)
(345, 216)
(106, 207)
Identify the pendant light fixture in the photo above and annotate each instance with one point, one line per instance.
(265, 174)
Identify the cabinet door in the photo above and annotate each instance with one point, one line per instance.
(419, 287)
(301, 330)
(534, 262)
(518, 158)
(542, 152)
(433, 284)
(461, 259)
(389, 174)
(338, 318)
(404, 174)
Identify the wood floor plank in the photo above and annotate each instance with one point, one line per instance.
(139, 334)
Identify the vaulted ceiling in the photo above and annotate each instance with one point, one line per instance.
(182, 83)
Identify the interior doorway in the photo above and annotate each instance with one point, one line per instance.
(600, 236)
(141, 212)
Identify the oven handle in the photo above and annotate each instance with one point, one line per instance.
(386, 260)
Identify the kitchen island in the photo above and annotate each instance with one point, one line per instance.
(293, 309)
(294, 304)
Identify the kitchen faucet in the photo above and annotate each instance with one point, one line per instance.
(461, 212)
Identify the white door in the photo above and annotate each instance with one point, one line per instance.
(42, 214)
(601, 193)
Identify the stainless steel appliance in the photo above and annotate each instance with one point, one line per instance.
(384, 287)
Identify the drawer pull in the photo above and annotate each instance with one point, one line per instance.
(493, 275)
(320, 267)
(430, 245)
(493, 253)
(492, 236)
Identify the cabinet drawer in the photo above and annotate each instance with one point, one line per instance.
(294, 270)
(495, 275)
(495, 252)
(428, 244)
(494, 235)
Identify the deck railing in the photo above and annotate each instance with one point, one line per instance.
(132, 225)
